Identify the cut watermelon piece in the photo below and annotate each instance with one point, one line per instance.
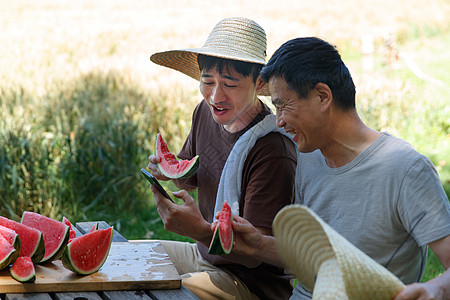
(32, 241)
(94, 227)
(23, 270)
(223, 237)
(55, 233)
(12, 237)
(8, 254)
(87, 254)
(72, 233)
(169, 166)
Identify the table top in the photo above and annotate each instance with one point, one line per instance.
(84, 227)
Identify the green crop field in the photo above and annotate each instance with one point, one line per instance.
(80, 102)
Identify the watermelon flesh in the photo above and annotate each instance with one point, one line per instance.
(169, 166)
(32, 242)
(12, 237)
(8, 254)
(87, 254)
(72, 233)
(55, 233)
(23, 270)
(223, 237)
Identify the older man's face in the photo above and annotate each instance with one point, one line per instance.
(299, 117)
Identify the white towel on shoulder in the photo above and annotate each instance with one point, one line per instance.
(231, 178)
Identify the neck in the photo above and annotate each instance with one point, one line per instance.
(349, 139)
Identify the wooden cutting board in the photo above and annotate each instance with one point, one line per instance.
(129, 266)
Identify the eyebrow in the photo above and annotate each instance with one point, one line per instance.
(223, 76)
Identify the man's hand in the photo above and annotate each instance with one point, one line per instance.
(184, 219)
(153, 160)
(420, 291)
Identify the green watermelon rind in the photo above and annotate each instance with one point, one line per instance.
(8, 258)
(39, 251)
(56, 254)
(68, 262)
(24, 279)
(217, 247)
(190, 171)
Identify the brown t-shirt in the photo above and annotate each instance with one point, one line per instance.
(267, 186)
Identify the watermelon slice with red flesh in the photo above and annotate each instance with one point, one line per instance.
(72, 232)
(32, 241)
(55, 233)
(23, 270)
(169, 166)
(12, 237)
(222, 240)
(8, 254)
(87, 254)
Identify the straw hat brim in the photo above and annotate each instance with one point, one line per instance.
(185, 61)
(325, 262)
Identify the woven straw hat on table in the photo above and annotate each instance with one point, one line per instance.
(327, 263)
(232, 38)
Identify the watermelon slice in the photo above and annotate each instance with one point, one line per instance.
(22, 270)
(87, 254)
(12, 237)
(32, 242)
(94, 227)
(8, 254)
(72, 233)
(169, 166)
(223, 237)
(55, 233)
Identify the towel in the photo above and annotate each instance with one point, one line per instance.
(231, 178)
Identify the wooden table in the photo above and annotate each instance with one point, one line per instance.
(82, 228)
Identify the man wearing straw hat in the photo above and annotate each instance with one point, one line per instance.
(245, 159)
(355, 186)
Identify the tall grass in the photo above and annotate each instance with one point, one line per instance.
(77, 150)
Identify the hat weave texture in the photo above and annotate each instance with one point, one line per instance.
(234, 38)
(327, 263)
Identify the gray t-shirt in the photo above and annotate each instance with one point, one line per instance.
(389, 202)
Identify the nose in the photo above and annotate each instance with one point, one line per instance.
(279, 120)
(217, 94)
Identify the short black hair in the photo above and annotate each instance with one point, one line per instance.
(304, 62)
(206, 62)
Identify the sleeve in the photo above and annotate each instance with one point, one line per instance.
(269, 179)
(423, 205)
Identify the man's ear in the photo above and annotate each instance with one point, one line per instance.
(259, 84)
(325, 95)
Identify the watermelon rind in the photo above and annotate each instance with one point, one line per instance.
(8, 254)
(25, 267)
(69, 257)
(216, 247)
(36, 250)
(46, 225)
(190, 168)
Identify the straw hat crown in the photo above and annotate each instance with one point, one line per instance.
(233, 38)
(327, 263)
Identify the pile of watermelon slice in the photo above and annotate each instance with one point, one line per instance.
(37, 239)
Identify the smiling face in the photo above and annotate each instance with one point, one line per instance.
(300, 117)
(232, 97)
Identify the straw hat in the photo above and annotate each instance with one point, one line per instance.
(232, 38)
(325, 262)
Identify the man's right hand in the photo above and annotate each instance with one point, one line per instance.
(153, 160)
